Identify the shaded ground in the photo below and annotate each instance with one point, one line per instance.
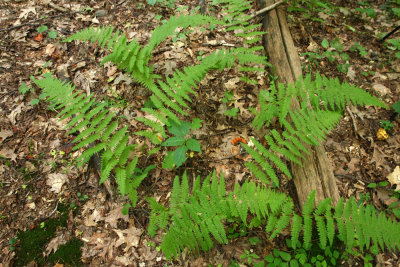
(37, 176)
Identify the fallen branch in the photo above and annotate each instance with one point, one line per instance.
(266, 9)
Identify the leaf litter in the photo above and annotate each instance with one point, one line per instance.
(29, 134)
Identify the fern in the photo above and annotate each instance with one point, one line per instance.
(195, 220)
(309, 124)
(103, 129)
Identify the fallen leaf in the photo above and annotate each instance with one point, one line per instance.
(38, 37)
(394, 178)
(231, 84)
(114, 215)
(54, 244)
(111, 71)
(93, 218)
(25, 12)
(4, 134)
(15, 112)
(56, 181)
(378, 157)
(50, 48)
(9, 154)
(380, 88)
(130, 237)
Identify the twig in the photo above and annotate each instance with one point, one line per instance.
(56, 7)
(354, 120)
(51, 213)
(120, 3)
(36, 20)
(266, 9)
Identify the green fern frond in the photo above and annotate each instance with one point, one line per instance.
(168, 28)
(195, 218)
(95, 124)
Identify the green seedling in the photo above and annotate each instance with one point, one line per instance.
(366, 8)
(232, 112)
(183, 143)
(12, 243)
(394, 44)
(361, 49)
(200, 56)
(387, 125)
(249, 256)
(51, 34)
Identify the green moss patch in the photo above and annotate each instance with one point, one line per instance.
(32, 243)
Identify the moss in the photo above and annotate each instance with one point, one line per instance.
(68, 254)
(32, 243)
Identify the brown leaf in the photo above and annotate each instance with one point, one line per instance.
(394, 178)
(56, 181)
(4, 134)
(9, 154)
(54, 244)
(114, 215)
(130, 237)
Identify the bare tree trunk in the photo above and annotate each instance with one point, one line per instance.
(316, 172)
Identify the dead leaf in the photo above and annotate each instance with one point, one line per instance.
(231, 84)
(50, 48)
(15, 112)
(169, 67)
(114, 215)
(38, 38)
(111, 71)
(130, 237)
(93, 218)
(353, 165)
(54, 244)
(378, 157)
(56, 181)
(380, 88)
(9, 154)
(25, 12)
(394, 178)
(351, 73)
(4, 134)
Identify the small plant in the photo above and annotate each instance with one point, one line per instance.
(249, 255)
(278, 258)
(182, 141)
(366, 8)
(50, 34)
(334, 52)
(236, 230)
(12, 243)
(387, 125)
(167, 3)
(200, 56)
(361, 49)
(309, 8)
(229, 99)
(394, 44)
(82, 197)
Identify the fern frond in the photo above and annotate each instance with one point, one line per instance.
(95, 123)
(168, 28)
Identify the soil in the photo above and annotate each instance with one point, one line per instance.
(42, 192)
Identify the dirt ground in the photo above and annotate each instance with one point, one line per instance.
(45, 197)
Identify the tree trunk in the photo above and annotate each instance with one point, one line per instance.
(316, 172)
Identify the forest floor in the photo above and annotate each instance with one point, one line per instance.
(48, 205)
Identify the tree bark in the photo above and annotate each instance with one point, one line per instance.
(316, 172)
